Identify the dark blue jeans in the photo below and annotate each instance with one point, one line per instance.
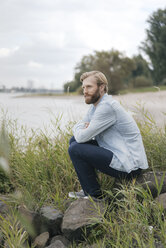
(87, 158)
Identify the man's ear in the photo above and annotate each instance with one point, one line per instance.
(102, 86)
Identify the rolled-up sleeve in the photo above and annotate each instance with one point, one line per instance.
(103, 117)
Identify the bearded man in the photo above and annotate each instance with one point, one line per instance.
(106, 140)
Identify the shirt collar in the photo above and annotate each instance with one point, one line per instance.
(102, 98)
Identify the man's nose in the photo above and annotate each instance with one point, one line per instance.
(84, 90)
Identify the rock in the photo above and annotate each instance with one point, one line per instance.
(41, 240)
(28, 218)
(78, 216)
(162, 200)
(67, 203)
(57, 244)
(50, 220)
(63, 239)
(148, 180)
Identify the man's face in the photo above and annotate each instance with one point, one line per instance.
(92, 92)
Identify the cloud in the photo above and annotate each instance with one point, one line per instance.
(6, 52)
(34, 64)
(44, 39)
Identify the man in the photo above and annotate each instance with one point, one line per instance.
(106, 140)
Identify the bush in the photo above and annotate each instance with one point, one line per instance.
(164, 81)
(142, 81)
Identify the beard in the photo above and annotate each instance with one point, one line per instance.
(90, 99)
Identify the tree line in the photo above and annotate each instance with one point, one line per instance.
(123, 72)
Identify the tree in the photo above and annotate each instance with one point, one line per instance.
(155, 44)
(141, 75)
(114, 64)
(141, 67)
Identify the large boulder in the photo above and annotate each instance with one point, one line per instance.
(61, 238)
(41, 240)
(57, 244)
(50, 220)
(80, 215)
(29, 218)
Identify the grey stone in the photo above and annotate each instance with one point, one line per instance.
(67, 203)
(148, 181)
(63, 239)
(50, 220)
(162, 200)
(79, 216)
(29, 219)
(41, 240)
(57, 244)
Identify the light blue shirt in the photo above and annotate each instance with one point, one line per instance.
(114, 129)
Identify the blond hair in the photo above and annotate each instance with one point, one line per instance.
(99, 76)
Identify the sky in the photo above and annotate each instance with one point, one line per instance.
(41, 41)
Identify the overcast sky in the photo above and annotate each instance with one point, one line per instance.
(42, 40)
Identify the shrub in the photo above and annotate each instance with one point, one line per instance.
(164, 81)
(142, 81)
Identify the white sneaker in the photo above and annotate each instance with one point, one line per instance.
(78, 195)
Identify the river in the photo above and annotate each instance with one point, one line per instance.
(39, 113)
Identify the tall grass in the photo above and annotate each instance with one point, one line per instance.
(130, 222)
(154, 138)
(42, 173)
(41, 168)
(14, 234)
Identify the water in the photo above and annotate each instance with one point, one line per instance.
(39, 112)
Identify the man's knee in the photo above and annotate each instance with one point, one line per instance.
(74, 148)
(72, 140)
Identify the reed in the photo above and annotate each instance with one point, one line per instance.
(36, 170)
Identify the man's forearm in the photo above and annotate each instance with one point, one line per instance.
(79, 129)
(103, 117)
